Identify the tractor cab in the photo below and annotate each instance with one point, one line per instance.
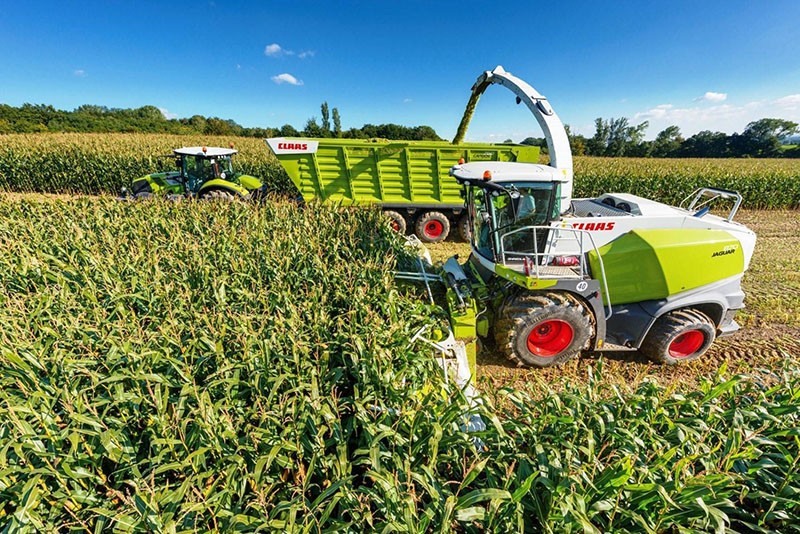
(198, 165)
(510, 207)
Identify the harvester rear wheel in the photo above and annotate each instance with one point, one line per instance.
(398, 222)
(542, 329)
(679, 336)
(432, 227)
(464, 230)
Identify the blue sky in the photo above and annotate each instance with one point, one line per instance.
(703, 65)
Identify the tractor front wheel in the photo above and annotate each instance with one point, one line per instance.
(542, 329)
(432, 227)
(679, 336)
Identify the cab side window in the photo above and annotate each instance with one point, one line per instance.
(480, 226)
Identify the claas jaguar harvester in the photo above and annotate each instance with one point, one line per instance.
(550, 275)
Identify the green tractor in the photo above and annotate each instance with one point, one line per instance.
(202, 172)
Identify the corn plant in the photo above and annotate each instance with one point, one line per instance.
(201, 366)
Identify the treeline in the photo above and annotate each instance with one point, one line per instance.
(619, 138)
(37, 118)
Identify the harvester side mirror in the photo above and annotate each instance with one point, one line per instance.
(178, 163)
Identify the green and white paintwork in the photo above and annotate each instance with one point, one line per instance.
(659, 263)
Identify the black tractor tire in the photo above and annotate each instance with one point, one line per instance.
(464, 230)
(219, 195)
(542, 329)
(679, 336)
(432, 227)
(398, 222)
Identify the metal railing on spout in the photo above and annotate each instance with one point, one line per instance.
(564, 255)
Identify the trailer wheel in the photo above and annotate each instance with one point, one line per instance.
(542, 329)
(398, 222)
(679, 336)
(464, 231)
(432, 227)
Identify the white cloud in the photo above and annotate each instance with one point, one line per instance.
(789, 102)
(407, 100)
(273, 50)
(276, 50)
(166, 113)
(655, 113)
(286, 78)
(79, 73)
(711, 96)
(726, 118)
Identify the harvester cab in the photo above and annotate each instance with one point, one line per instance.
(202, 172)
(550, 276)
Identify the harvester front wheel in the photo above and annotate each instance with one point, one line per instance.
(397, 221)
(542, 329)
(679, 336)
(432, 227)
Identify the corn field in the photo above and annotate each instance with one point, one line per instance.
(94, 164)
(103, 163)
(200, 366)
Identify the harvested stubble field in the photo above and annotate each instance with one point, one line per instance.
(770, 323)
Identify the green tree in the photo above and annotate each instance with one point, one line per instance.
(762, 138)
(534, 141)
(326, 119)
(706, 144)
(216, 126)
(337, 123)
(577, 142)
(667, 143)
(616, 137)
(287, 130)
(312, 129)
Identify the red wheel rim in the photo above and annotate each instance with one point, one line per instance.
(686, 344)
(550, 338)
(395, 225)
(433, 229)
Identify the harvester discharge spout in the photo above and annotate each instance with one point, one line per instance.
(552, 127)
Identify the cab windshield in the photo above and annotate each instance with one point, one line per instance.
(497, 213)
(201, 169)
